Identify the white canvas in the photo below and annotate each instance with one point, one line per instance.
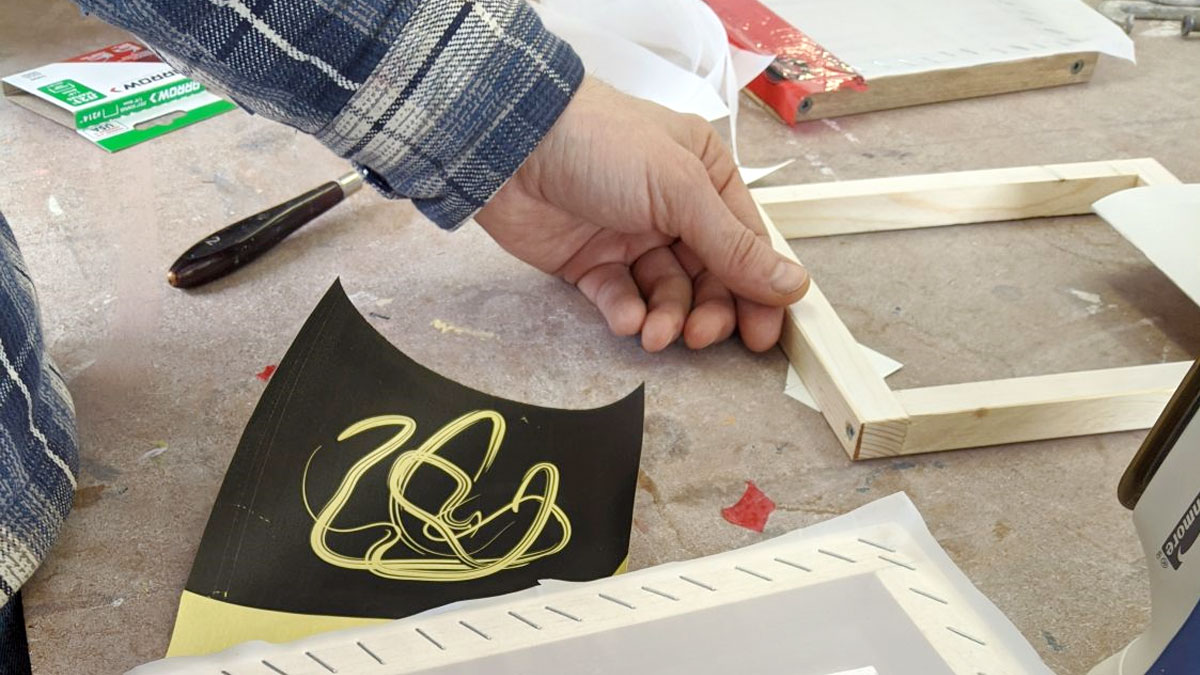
(867, 590)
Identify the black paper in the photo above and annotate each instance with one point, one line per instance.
(257, 549)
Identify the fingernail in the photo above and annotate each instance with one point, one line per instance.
(788, 277)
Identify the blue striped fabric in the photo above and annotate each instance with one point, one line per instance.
(438, 101)
(38, 453)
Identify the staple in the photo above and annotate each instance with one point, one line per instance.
(273, 667)
(562, 613)
(430, 638)
(523, 620)
(839, 556)
(752, 573)
(701, 584)
(931, 596)
(616, 600)
(370, 653)
(879, 546)
(789, 563)
(655, 591)
(897, 562)
(475, 630)
(972, 638)
(321, 663)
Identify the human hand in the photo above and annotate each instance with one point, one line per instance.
(644, 211)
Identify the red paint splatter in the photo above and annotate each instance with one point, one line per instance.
(266, 373)
(752, 510)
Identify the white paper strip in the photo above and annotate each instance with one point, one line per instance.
(753, 173)
(1163, 222)
(747, 65)
(672, 52)
(884, 37)
(883, 364)
(615, 58)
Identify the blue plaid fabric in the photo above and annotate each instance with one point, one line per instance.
(38, 453)
(437, 101)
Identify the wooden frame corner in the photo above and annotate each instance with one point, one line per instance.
(872, 420)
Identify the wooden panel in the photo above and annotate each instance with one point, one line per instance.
(833, 367)
(908, 202)
(899, 91)
(1031, 408)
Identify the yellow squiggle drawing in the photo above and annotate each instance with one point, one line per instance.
(441, 526)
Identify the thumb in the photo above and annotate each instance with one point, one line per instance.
(739, 254)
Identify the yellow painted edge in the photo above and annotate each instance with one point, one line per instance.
(205, 626)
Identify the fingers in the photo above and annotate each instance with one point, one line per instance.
(702, 309)
(740, 257)
(713, 317)
(607, 246)
(612, 290)
(668, 291)
(759, 325)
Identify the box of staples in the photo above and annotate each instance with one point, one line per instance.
(115, 97)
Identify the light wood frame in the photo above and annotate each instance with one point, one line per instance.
(872, 420)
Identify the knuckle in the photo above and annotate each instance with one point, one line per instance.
(704, 136)
(743, 251)
(703, 127)
(695, 123)
(673, 200)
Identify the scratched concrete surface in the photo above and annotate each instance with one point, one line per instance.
(1036, 526)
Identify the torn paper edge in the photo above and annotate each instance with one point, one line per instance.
(1163, 222)
(881, 363)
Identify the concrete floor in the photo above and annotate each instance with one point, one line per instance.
(1036, 526)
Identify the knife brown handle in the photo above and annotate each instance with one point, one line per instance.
(240, 243)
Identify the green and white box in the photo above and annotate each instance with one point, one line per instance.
(115, 97)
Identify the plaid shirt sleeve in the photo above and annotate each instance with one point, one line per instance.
(39, 457)
(438, 101)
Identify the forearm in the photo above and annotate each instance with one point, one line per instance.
(440, 101)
